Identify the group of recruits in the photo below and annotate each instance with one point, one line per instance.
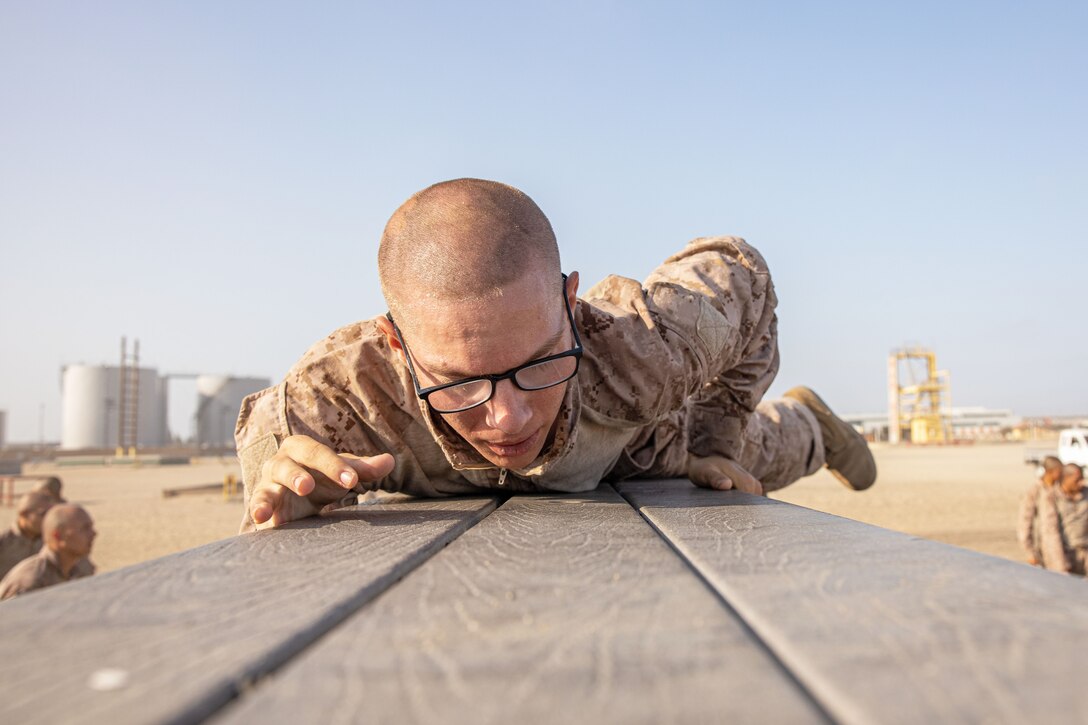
(48, 544)
(1053, 526)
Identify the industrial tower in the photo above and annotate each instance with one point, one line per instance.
(919, 397)
(130, 400)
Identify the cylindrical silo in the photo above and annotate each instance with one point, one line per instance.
(91, 407)
(219, 399)
(88, 406)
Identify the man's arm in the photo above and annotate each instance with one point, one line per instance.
(702, 326)
(287, 477)
(1025, 525)
(1050, 535)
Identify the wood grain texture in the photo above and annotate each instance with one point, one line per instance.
(881, 626)
(566, 609)
(191, 629)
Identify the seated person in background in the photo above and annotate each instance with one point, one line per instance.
(24, 538)
(67, 534)
(1063, 523)
(1027, 529)
(52, 486)
(490, 373)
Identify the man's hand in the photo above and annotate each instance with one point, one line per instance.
(304, 475)
(722, 474)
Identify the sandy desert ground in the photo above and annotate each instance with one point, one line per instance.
(962, 495)
(133, 520)
(965, 495)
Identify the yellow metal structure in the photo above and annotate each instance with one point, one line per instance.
(919, 398)
(230, 486)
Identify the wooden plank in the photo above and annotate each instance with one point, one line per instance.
(189, 630)
(554, 609)
(882, 626)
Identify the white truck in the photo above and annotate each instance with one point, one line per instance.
(1072, 448)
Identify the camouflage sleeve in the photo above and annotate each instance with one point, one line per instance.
(718, 298)
(343, 394)
(22, 579)
(702, 326)
(1050, 535)
(263, 424)
(1025, 524)
(261, 427)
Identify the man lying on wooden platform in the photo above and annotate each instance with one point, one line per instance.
(490, 373)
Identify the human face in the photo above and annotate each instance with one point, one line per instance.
(1072, 480)
(460, 395)
(464, 338)
(30, 521)
(79, 535)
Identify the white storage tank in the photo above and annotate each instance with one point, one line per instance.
(219, 399)
(91, 402)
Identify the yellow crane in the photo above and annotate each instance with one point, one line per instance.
(919, 397)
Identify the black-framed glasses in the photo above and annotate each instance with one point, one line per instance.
(461, 395)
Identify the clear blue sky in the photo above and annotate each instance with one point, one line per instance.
(213, 177)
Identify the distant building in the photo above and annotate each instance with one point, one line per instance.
(91, 404)
(219, 400)
(968, 423)
(982, 423)
(1047, 428)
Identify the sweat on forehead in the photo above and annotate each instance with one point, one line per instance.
(465, 239)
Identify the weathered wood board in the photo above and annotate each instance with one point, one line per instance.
(566, 609)
(189, 630)
(881, 626)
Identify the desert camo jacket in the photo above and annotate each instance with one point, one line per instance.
(1063, 530)
(39, 571)
(675, 364)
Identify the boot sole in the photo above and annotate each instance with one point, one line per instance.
(845, 437)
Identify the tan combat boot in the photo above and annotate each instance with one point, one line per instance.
(846, 453)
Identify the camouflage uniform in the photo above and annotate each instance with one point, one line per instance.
(1063, 530)
(1027, 527)
(16, 546)
(40, 571)
(676, 364)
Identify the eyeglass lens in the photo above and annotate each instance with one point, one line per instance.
(474, 392)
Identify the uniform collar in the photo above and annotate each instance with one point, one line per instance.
(53, 560)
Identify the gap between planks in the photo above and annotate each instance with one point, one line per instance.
(287, 652)
(788, 673)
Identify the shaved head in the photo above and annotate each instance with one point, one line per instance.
(1072, 479)
(1052, 463)
(470, 270)
(466, 239)
(61, 517)
(69, 532)
(32, 508)
(51, 486)
(34, 501)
